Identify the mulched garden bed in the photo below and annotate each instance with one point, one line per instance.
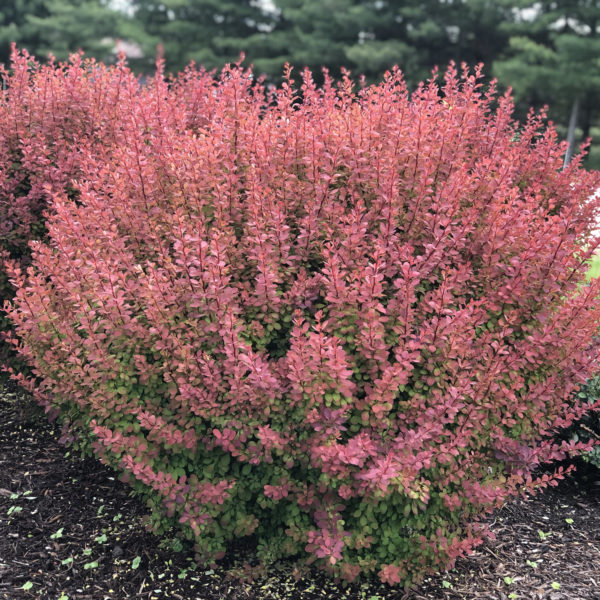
(70, 530)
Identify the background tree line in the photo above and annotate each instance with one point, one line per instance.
(548, 51)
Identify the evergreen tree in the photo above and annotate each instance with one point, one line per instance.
(478, 29)
(554, 59)
(209, 32)
(370, 36)
(366, 36)
(59, 27)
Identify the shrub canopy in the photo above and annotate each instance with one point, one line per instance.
(345, 321)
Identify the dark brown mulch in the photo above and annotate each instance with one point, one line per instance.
(70, 530)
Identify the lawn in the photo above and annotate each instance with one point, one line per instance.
(594, 270)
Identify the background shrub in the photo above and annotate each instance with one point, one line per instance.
(348, 323)
(588, 427)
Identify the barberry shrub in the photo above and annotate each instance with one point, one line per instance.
(51, 115)
(347, 322)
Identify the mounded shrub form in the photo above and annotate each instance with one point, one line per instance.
(346, 322)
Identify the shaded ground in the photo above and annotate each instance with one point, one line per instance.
(69, 530)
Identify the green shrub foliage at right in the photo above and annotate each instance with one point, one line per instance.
(588, 427)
